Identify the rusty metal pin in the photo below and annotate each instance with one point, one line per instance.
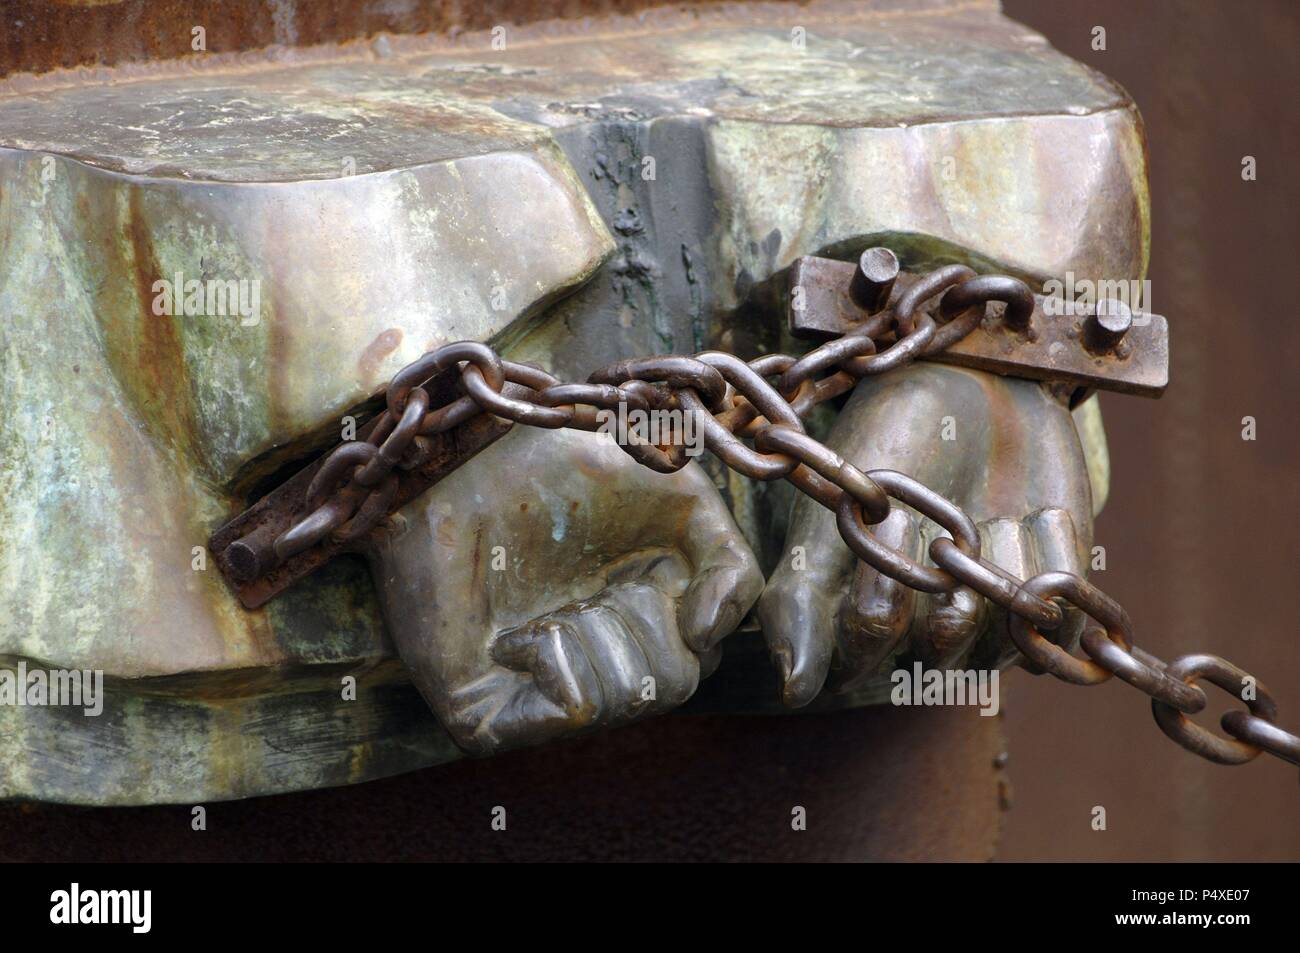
(873, 280)
(254, 555)
(1106, 326)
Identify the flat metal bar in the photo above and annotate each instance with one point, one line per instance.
(1139, 366)
(820, 307)
(270, 516)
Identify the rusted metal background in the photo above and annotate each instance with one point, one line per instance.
(41, 35)
(1200, 527)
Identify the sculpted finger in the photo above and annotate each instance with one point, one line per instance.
(948, 622)
(617, 658)
(710, 661)
(549, 650)
(717, 600)
(513, 715)
(797, 621)
(1006, 543)
(1057, 549)
(541, 688)
(472, 706)
(670, 670)
(798, 608)
(727, 578)
(877, 611)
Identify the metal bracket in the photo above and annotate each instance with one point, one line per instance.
(243, 548)
(1109, 348)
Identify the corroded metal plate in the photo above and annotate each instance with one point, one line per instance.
(820, 307)
(282, 507)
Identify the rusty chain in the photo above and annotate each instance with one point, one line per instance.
(733, 401)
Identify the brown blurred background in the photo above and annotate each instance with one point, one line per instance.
(1200, 531)
(1199, 534)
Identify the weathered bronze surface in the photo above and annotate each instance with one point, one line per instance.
(148, 431)
(614, 575)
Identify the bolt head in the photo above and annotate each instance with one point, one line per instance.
(1106, 326)
(873, 280)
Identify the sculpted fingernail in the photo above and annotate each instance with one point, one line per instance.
(782, 657)
(697, 622)
(710, 661)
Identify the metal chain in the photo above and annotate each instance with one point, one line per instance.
(734, 401)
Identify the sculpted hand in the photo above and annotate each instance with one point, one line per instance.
(552, 584)
(1005, 451)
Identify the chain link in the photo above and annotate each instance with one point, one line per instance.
(734, 401)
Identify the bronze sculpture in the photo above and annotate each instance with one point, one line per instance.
(761, 174)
